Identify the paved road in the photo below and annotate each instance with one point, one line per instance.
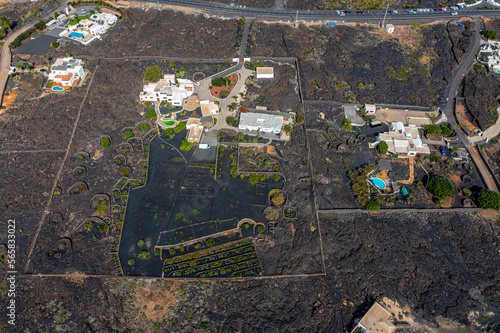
(278, 13)
(483, 170)
(7, 56)
(457, 78)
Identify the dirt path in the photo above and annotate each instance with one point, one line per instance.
(483, 170)
(412, 173)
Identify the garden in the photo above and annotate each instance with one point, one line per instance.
(222, 87)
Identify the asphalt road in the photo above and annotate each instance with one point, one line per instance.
(278, 13)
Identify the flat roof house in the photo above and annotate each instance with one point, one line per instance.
(403, 140)
(168, 89)
(66, 71)
(376, 320)
(260, 122)
(265, 72)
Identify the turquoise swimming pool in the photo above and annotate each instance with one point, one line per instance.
(76, 34)
(379, 183)
(57, 88)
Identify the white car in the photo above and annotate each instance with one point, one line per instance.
(204, 146)
(454, 13)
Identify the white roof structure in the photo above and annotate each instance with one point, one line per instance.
(403, 140)
(370, 108)
(66, 71)
(208, 108)
(265, 72)
(168, 89)
(376, 320)
(263, 122)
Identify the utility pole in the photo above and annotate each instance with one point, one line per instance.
(386, 10)
(297, 19)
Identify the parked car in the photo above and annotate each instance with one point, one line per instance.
(442, 150)
(204, 146)
(454, 13)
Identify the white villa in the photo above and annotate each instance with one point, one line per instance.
(168, 89)
(403, 140)
(89, 29)
(260, 122)
(66, 71)
(491, 49)
(376, 320)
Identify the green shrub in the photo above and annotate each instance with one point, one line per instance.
(127, 134)
(490, 34)
(446, 130)
(220, 82)
(347, 125)
(278, 198)
(140, 243)
(373, 205)
(209, 242)
(433, 129)
(153, 74)
(440, 186)
(125, 171)
(131, 261)
(186, 145)
(144, 127)
(169, 131)
(382, 147)
(300, 118)
(435, 159)
(150, 113)
(147, 103)
(276, 178)
(253, 179)
(180, 126)
(144, 254)
(102, 206)
(489, 200)
(260, 229)
(466, 192)
(105, 142)
(89, 225)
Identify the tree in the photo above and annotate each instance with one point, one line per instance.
(40, 25)
(489, 200)
(300, 118)
(151, 113)
(490, 34)
(153, 74)
(287, 129)
(382, 147)
(446, 130)
(373, 205)
(102, 206)
(55, 44)
(433, 129)
(180, 126)
(440, 186)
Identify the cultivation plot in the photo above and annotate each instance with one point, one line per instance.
(235, 259)
(150, 209)
(25, 188)
(87, 208)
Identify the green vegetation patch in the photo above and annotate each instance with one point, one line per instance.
(440, 186)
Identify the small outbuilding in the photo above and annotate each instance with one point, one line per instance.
(265, 72)
(370, 109)
(389, 28)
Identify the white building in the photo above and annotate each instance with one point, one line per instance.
(104, 19)
(260, 122)
(51, 23)
(168, 89)
(403, 140)
(66, 71)
(265, 72)
(389, 28)
(62, 17)
(208, 108)
(376, 320)
(370, 109)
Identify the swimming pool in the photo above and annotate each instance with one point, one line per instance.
(57, 88)
(169, 122)
(76, 34)
(379, 183)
